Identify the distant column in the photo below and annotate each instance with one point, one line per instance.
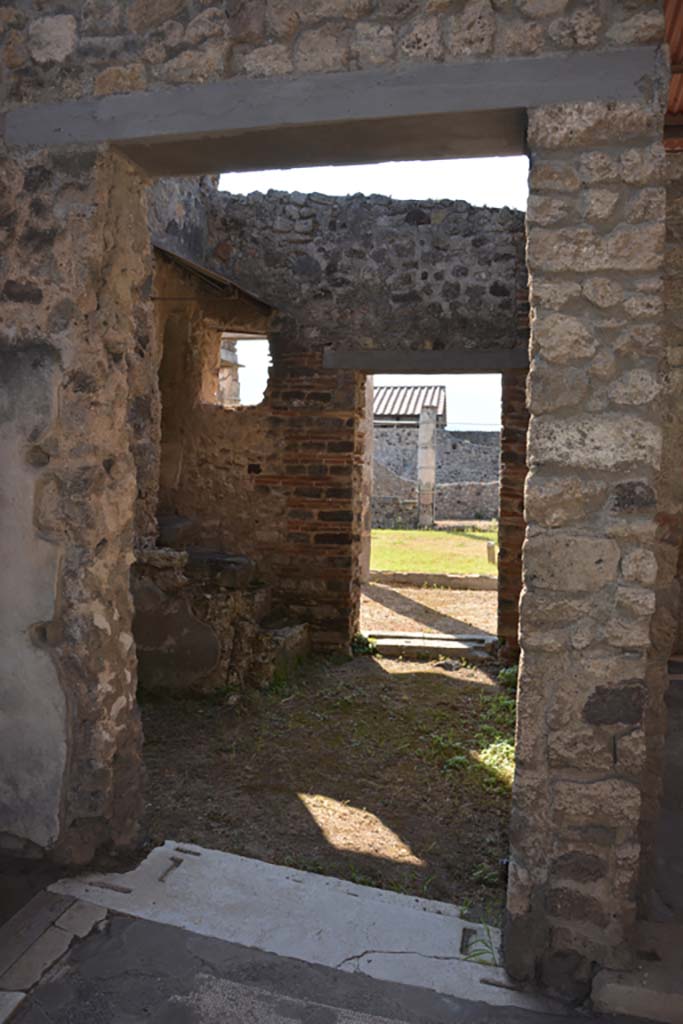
(366, 491)
(426, 466)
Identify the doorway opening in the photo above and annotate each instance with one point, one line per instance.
(327, 765)
(434, 480)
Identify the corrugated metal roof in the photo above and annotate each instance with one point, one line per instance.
(399, 402)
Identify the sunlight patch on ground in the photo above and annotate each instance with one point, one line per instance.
(499, 758)
(355, 829)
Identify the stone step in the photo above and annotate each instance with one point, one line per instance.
(480, 639)
(431, 646)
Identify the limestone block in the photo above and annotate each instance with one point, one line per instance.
(211, 22)
(625, 248)
(564, 562)
(576, 747)
(631, 752)
(635, 387)
(602, 291)
(144, 15)
(473, 31)
(572, 905)
(553, 294)
(322, 49)
(52, 39)
(609, 802)
(601, 441)
(546, 209)
(600, 203)
(423, 41)
(582, 125)
(542, 8)
(639, 566)
(580, 30)
(128, 78)
(198, 65)
(561, 339)
(647, 27)
(644, 166)
(519, 37)
(373, 44)
(558, 501)
(553, 177)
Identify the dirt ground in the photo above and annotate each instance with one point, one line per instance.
(427, 610)
(384, 772)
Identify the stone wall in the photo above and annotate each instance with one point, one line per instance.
(100, 47)
(389, 512)
(590, 679)
(468, 500)
(350, 269)
(75, 279)
(76, 276)
(460, 454)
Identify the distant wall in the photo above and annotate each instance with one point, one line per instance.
(467, 500)
(467, 470)
(460, 454)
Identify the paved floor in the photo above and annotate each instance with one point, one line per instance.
(132, 971)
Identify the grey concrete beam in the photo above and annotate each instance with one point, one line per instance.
(463, 361)
(471, 108)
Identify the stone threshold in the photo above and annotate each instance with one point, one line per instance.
(319, 920)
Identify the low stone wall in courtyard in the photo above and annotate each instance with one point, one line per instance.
(392, 513)
(467, 500)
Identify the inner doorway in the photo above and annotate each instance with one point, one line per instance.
(434, 479)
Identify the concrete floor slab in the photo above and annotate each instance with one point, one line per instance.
(309, 917)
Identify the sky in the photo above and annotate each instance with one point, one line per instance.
(473, 400)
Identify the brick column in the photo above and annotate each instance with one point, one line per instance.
(318, 416)
(589, 674)
(514, 425)
(366, 484)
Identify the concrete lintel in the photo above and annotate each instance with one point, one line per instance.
(468, 108)
(468, 361)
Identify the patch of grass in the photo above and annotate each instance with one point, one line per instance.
(432, 551)
(487, 756)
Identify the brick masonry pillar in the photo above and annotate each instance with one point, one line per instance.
(366, 484)
(319, 417)
(514, 425)
(589, 685)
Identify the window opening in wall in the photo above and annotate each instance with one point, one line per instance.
(284, 776)
(245, 363)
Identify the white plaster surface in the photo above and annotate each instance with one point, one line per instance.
(32, 705)
(308, 917)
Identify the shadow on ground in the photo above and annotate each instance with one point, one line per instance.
(381, 772)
